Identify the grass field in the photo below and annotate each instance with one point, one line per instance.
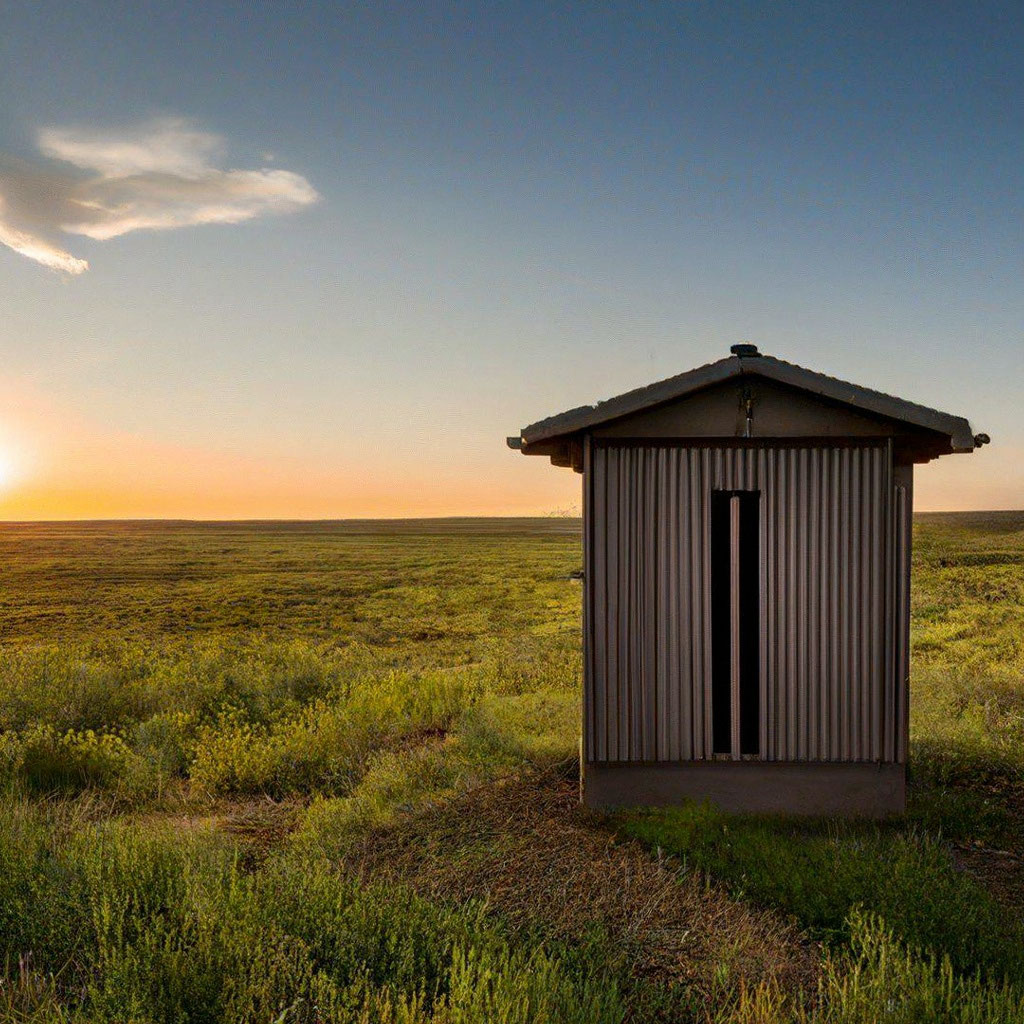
(324, 772)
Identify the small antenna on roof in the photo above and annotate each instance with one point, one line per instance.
(744, 349)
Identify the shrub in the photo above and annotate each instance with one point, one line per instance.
(76, 687)
(47, 761)
(167, 741)
(493, 736)
(541, 727)
(326, 746)
(967, 725)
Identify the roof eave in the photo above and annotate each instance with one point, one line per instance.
(586, 417)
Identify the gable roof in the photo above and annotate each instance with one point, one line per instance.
(748, 361)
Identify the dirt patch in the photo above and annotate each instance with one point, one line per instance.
(1000, 870)
(526, 847)
(258, 824)
(263, 823)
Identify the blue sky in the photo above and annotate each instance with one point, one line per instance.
(521, 208)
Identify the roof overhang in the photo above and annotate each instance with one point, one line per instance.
(550, 436)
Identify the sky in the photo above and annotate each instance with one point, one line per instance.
(298, 260)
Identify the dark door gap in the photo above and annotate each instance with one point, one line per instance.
(735, 622)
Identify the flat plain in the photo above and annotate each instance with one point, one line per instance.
(325, 772)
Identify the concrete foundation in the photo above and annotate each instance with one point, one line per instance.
(757, 787)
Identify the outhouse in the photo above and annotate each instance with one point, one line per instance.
(746, 546)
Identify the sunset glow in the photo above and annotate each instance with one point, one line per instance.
(6, 471)
(330, 281)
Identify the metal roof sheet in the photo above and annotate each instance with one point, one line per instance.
(586, 417)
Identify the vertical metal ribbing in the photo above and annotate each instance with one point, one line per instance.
(834, 538)
(867, 659)
(605, 497)
(628, 637)
(825, 529)
(589, 701)
(835, 607)
(792, 567)
(764, 604)
(820, 657)
(649, 653)
(846, 636)
(853, 496)
(856, 592)
(598, 591)
(772, 599)
(615, 603)
(634, 639)
(862, 718)
(673, 611)
(773, 487)
(888, 698)
(879, 510)
(685, 654)
(704, 543)
(605, 596)
(869, 508)
(904, 505)
(695, 582)
(638, 681)
(862, 567)
(780, 585)
(654, 679)
(812, 577)
(734, 626)
(889, 679)
(662, 639)
(617, 609)
(640, 736)
(778, 701)
(792, 621)
(624, 585)
(802, 515)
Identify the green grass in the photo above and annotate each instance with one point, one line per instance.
(146, 924)
(878, 979)
(823, 872)
(152, 675)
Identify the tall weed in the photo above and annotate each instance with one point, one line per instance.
(880, 980)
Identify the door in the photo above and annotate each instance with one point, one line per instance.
(735, 623)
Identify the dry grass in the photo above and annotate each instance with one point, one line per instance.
(526, 848)
(263, 823)
(999, 868)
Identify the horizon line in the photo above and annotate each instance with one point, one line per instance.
(544, 517)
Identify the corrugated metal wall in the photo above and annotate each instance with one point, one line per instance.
(834, 546)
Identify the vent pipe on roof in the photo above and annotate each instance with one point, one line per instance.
(744, 349)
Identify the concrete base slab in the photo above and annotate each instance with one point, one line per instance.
(755, 787)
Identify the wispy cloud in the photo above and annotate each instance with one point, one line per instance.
(164, 174)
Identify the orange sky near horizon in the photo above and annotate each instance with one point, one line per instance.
(57, 463)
